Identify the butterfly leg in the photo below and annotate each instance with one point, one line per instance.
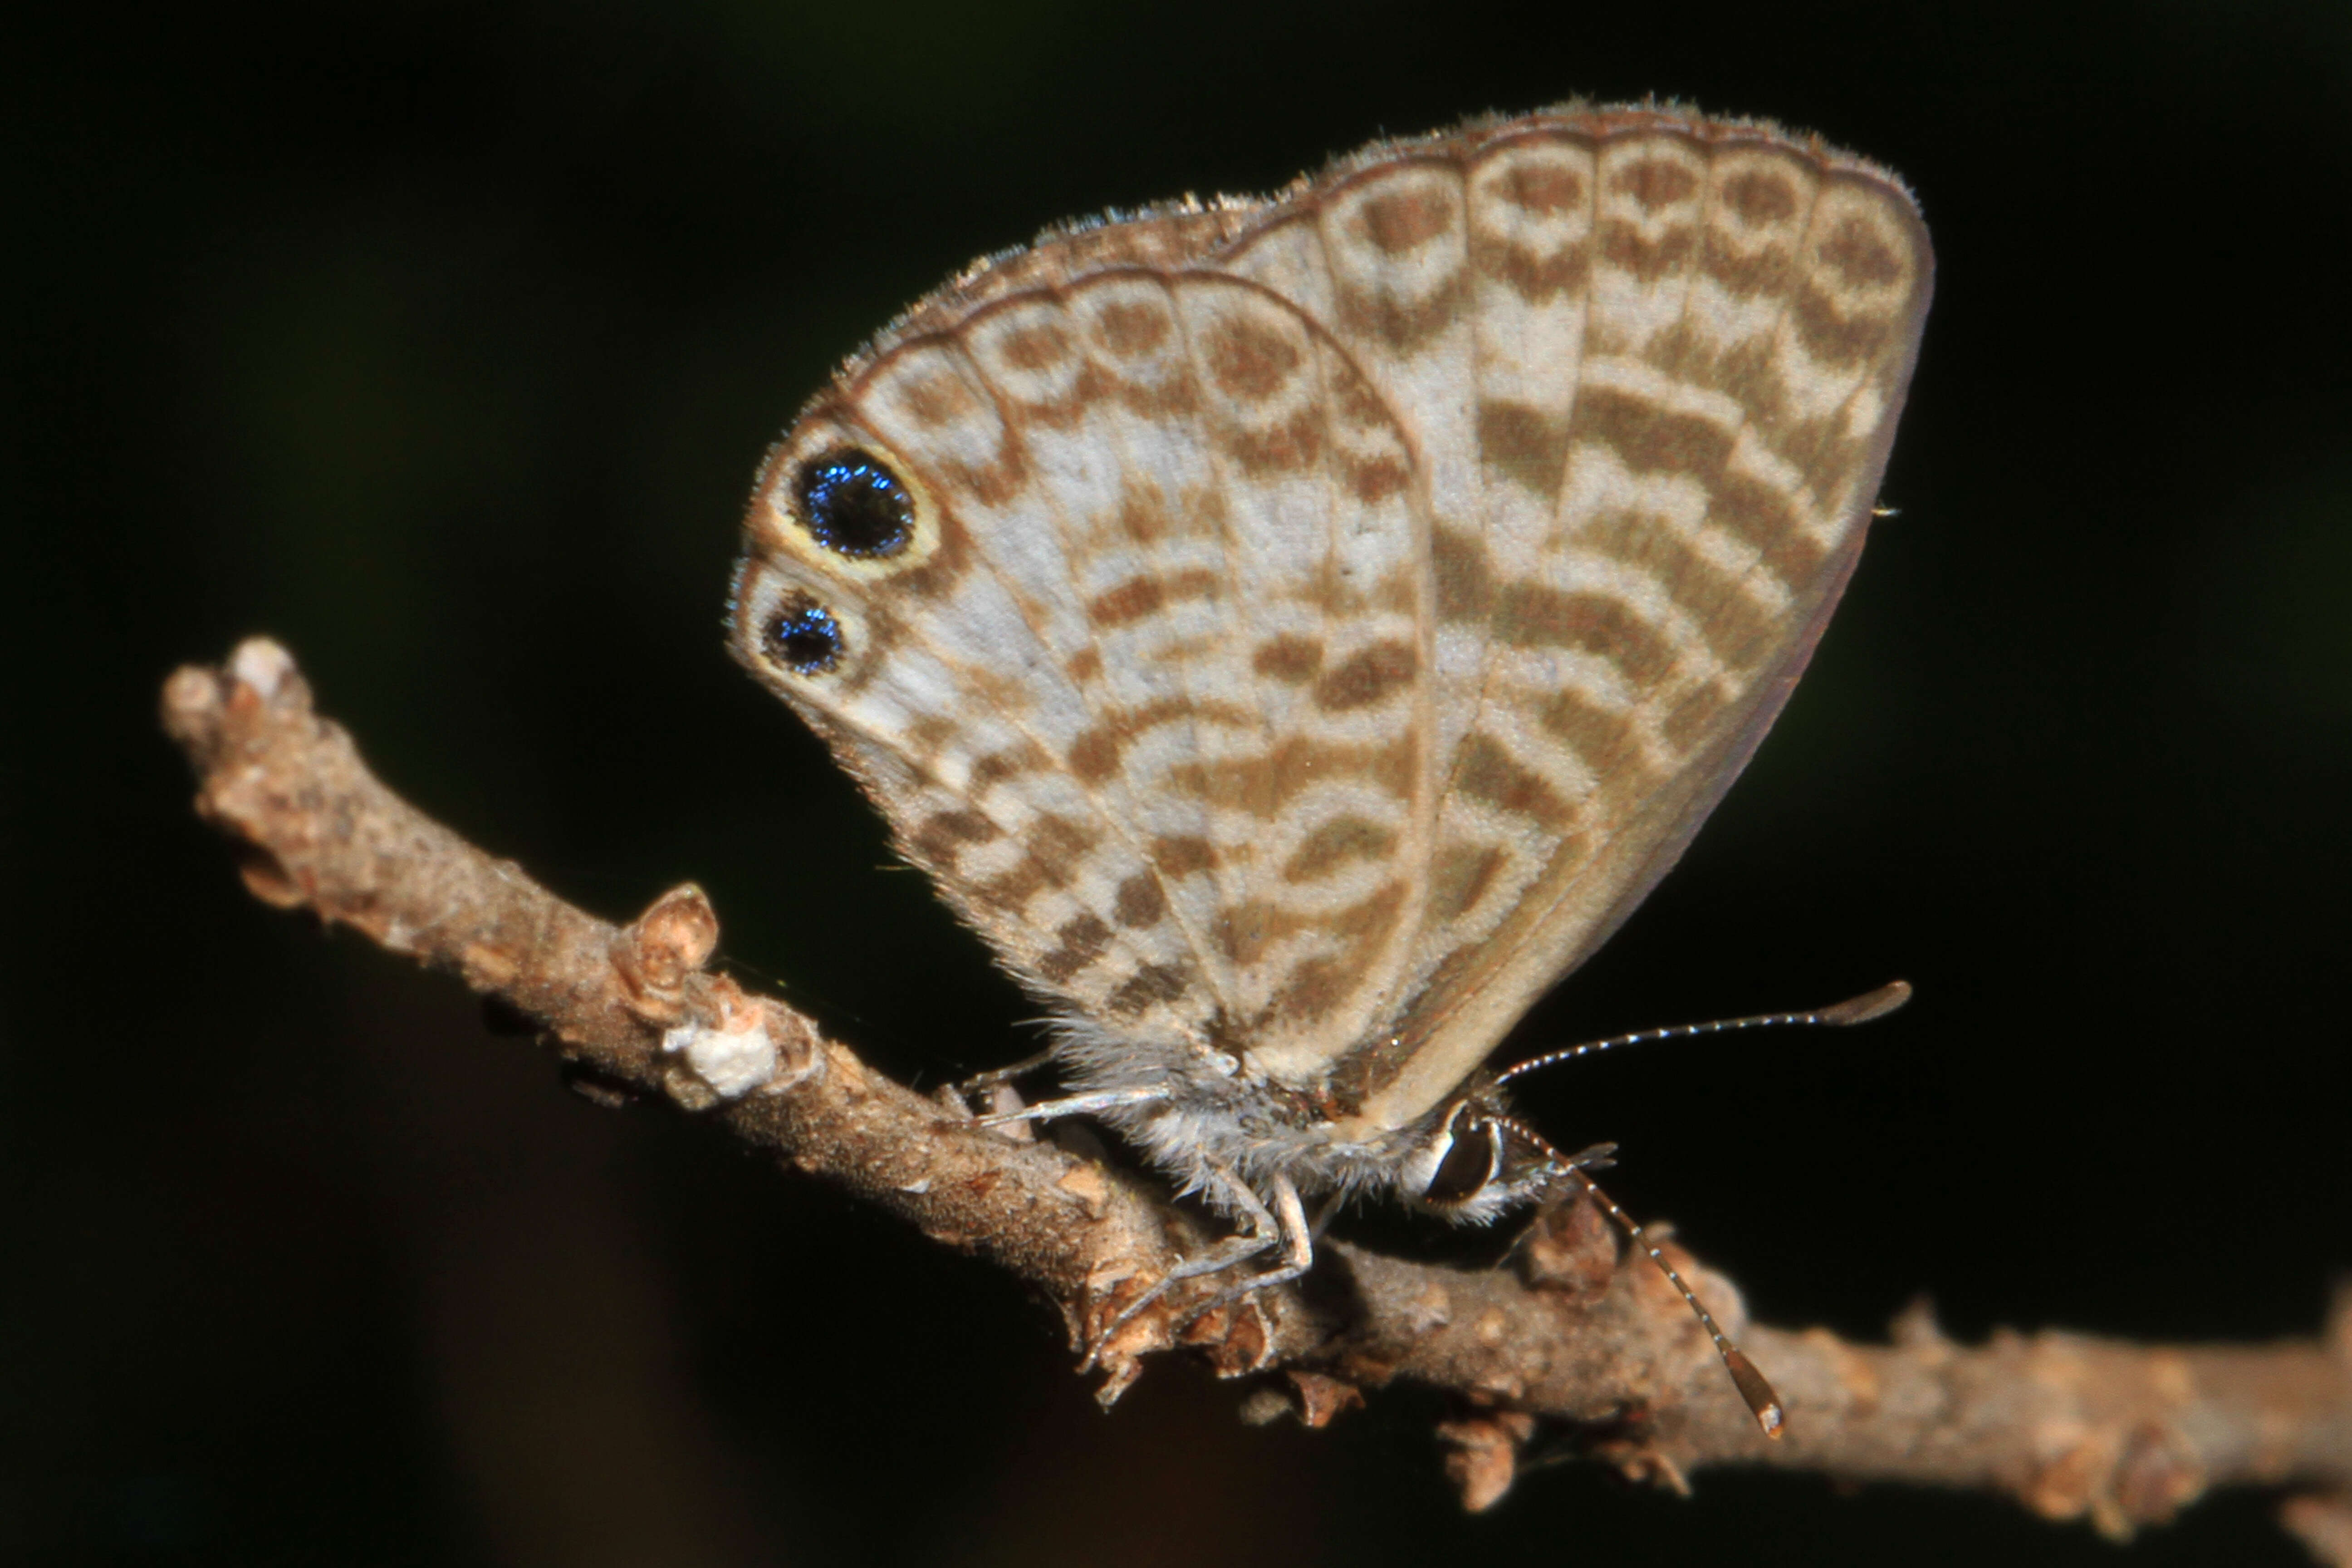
(995, 1076)
(992, 1092)
(1262, 1230)
(1074, 1105)
(1297, 1239)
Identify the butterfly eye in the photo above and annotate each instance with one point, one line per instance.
(854, 505)
(1468, 1165)
(803, 636)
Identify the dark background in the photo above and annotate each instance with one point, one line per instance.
(441, 342)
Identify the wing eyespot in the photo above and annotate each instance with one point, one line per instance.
(803, 637)
(852, 502)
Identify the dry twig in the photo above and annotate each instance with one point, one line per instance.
(2072, 1427)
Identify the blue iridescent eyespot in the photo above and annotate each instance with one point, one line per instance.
(853, 505)
(803, 636)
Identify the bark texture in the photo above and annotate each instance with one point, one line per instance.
(2069, 1425)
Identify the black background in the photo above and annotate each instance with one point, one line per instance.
(441, 342)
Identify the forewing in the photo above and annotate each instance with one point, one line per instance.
(1652, 367)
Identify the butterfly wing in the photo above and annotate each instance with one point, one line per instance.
(1651, 368)
(1317, 624)
(1144, 683)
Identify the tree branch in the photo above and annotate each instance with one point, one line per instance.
(2069, 1426)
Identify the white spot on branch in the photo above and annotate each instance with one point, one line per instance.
(731, 1062)
(262, 664)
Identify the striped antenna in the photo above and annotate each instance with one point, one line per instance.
(1859, 1009)
(1754, 1387)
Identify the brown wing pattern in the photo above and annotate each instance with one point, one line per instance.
(1651, 368)
(1321, 622)
(1146, 689)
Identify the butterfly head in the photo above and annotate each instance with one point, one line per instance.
(1475, 1163)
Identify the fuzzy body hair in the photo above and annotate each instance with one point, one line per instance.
(1210, 1109)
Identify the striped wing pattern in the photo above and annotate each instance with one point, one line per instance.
(1322, 620)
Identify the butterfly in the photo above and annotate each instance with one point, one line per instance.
(1297, 631)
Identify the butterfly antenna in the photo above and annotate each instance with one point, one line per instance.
(1754, 1387)
(1859, 1009)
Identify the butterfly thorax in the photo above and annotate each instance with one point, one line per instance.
(1201, 1107)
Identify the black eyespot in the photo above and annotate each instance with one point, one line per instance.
(853, 505)
(803, 636)
(1468, 1165)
